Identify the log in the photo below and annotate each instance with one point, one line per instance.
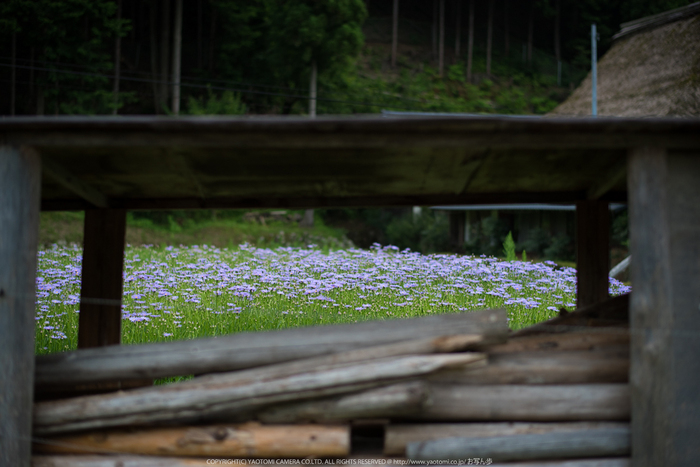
(374, 403)
(250, 440)
(247, 350)
(398, 436)
(604, 366)
(527, 403)
(232, 393)
(611, 312)
(573, 340)
(598, 442)
(117, 461)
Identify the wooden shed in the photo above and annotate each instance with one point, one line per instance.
(107, 166)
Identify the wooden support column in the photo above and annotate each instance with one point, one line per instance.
(592, 251)
(101, 291)
(457, 223)
(20, 185)
(664, 207)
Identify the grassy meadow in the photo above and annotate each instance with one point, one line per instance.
(195, 291)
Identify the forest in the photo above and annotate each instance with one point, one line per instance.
(257, 57)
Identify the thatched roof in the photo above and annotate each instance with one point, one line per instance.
(652, 69)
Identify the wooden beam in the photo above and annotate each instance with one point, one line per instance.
(101, 290)
(608, 181)
(246, 350)
(232, 441)
(20, 181)
(592, 252)
(595, 442)
(399, 435)
(74, 184)
(665, 321)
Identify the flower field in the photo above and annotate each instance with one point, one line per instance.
(187, 292)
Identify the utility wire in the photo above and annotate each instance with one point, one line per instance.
(199, 86)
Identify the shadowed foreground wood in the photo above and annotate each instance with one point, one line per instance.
(576, 367)
(576, 402)
(611, 312)
(217, 396)
(116, 461)
(374, 403)
(573, 340)
(598, 442)
(247, 350)
(398, 436)
(246, 440)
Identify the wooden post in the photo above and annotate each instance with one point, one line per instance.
(457, 223)
(592, 251)
(20, 179)
(664, 309)
(395, 33)
(101, 292)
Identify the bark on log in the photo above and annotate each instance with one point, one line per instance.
(375, 403)
(607, 366)
(232, 393)
(116, 461)
(527, 403)
(599, 442)
(398, 436)
(250, 440)
(574, 340)
(247, 350)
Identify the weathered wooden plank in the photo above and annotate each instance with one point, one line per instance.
(598, 442)
(221, 395)
(100, 320)
(573, 340)
(609, 180)
(249, 440)
(91, 460)
(601, 366)
(246, 350)
(665, 323)
(20, 178)
(398, 436)
(592, 252)
(527, 403)
(383, 402)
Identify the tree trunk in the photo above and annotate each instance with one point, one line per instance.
(199, 34)
(155, 75)
(506, 27)
(31, 77)
(489, 39)
(117, 61)
(557, 40)
(312, 91)
(435, 29)
(212, 38)
(470, 46)
(13, 73)
(441, 46)
(395, 33)
(177, 56)
(458, 29)
(530, 31)
(164, 54)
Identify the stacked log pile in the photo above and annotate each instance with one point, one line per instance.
(453, 387)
